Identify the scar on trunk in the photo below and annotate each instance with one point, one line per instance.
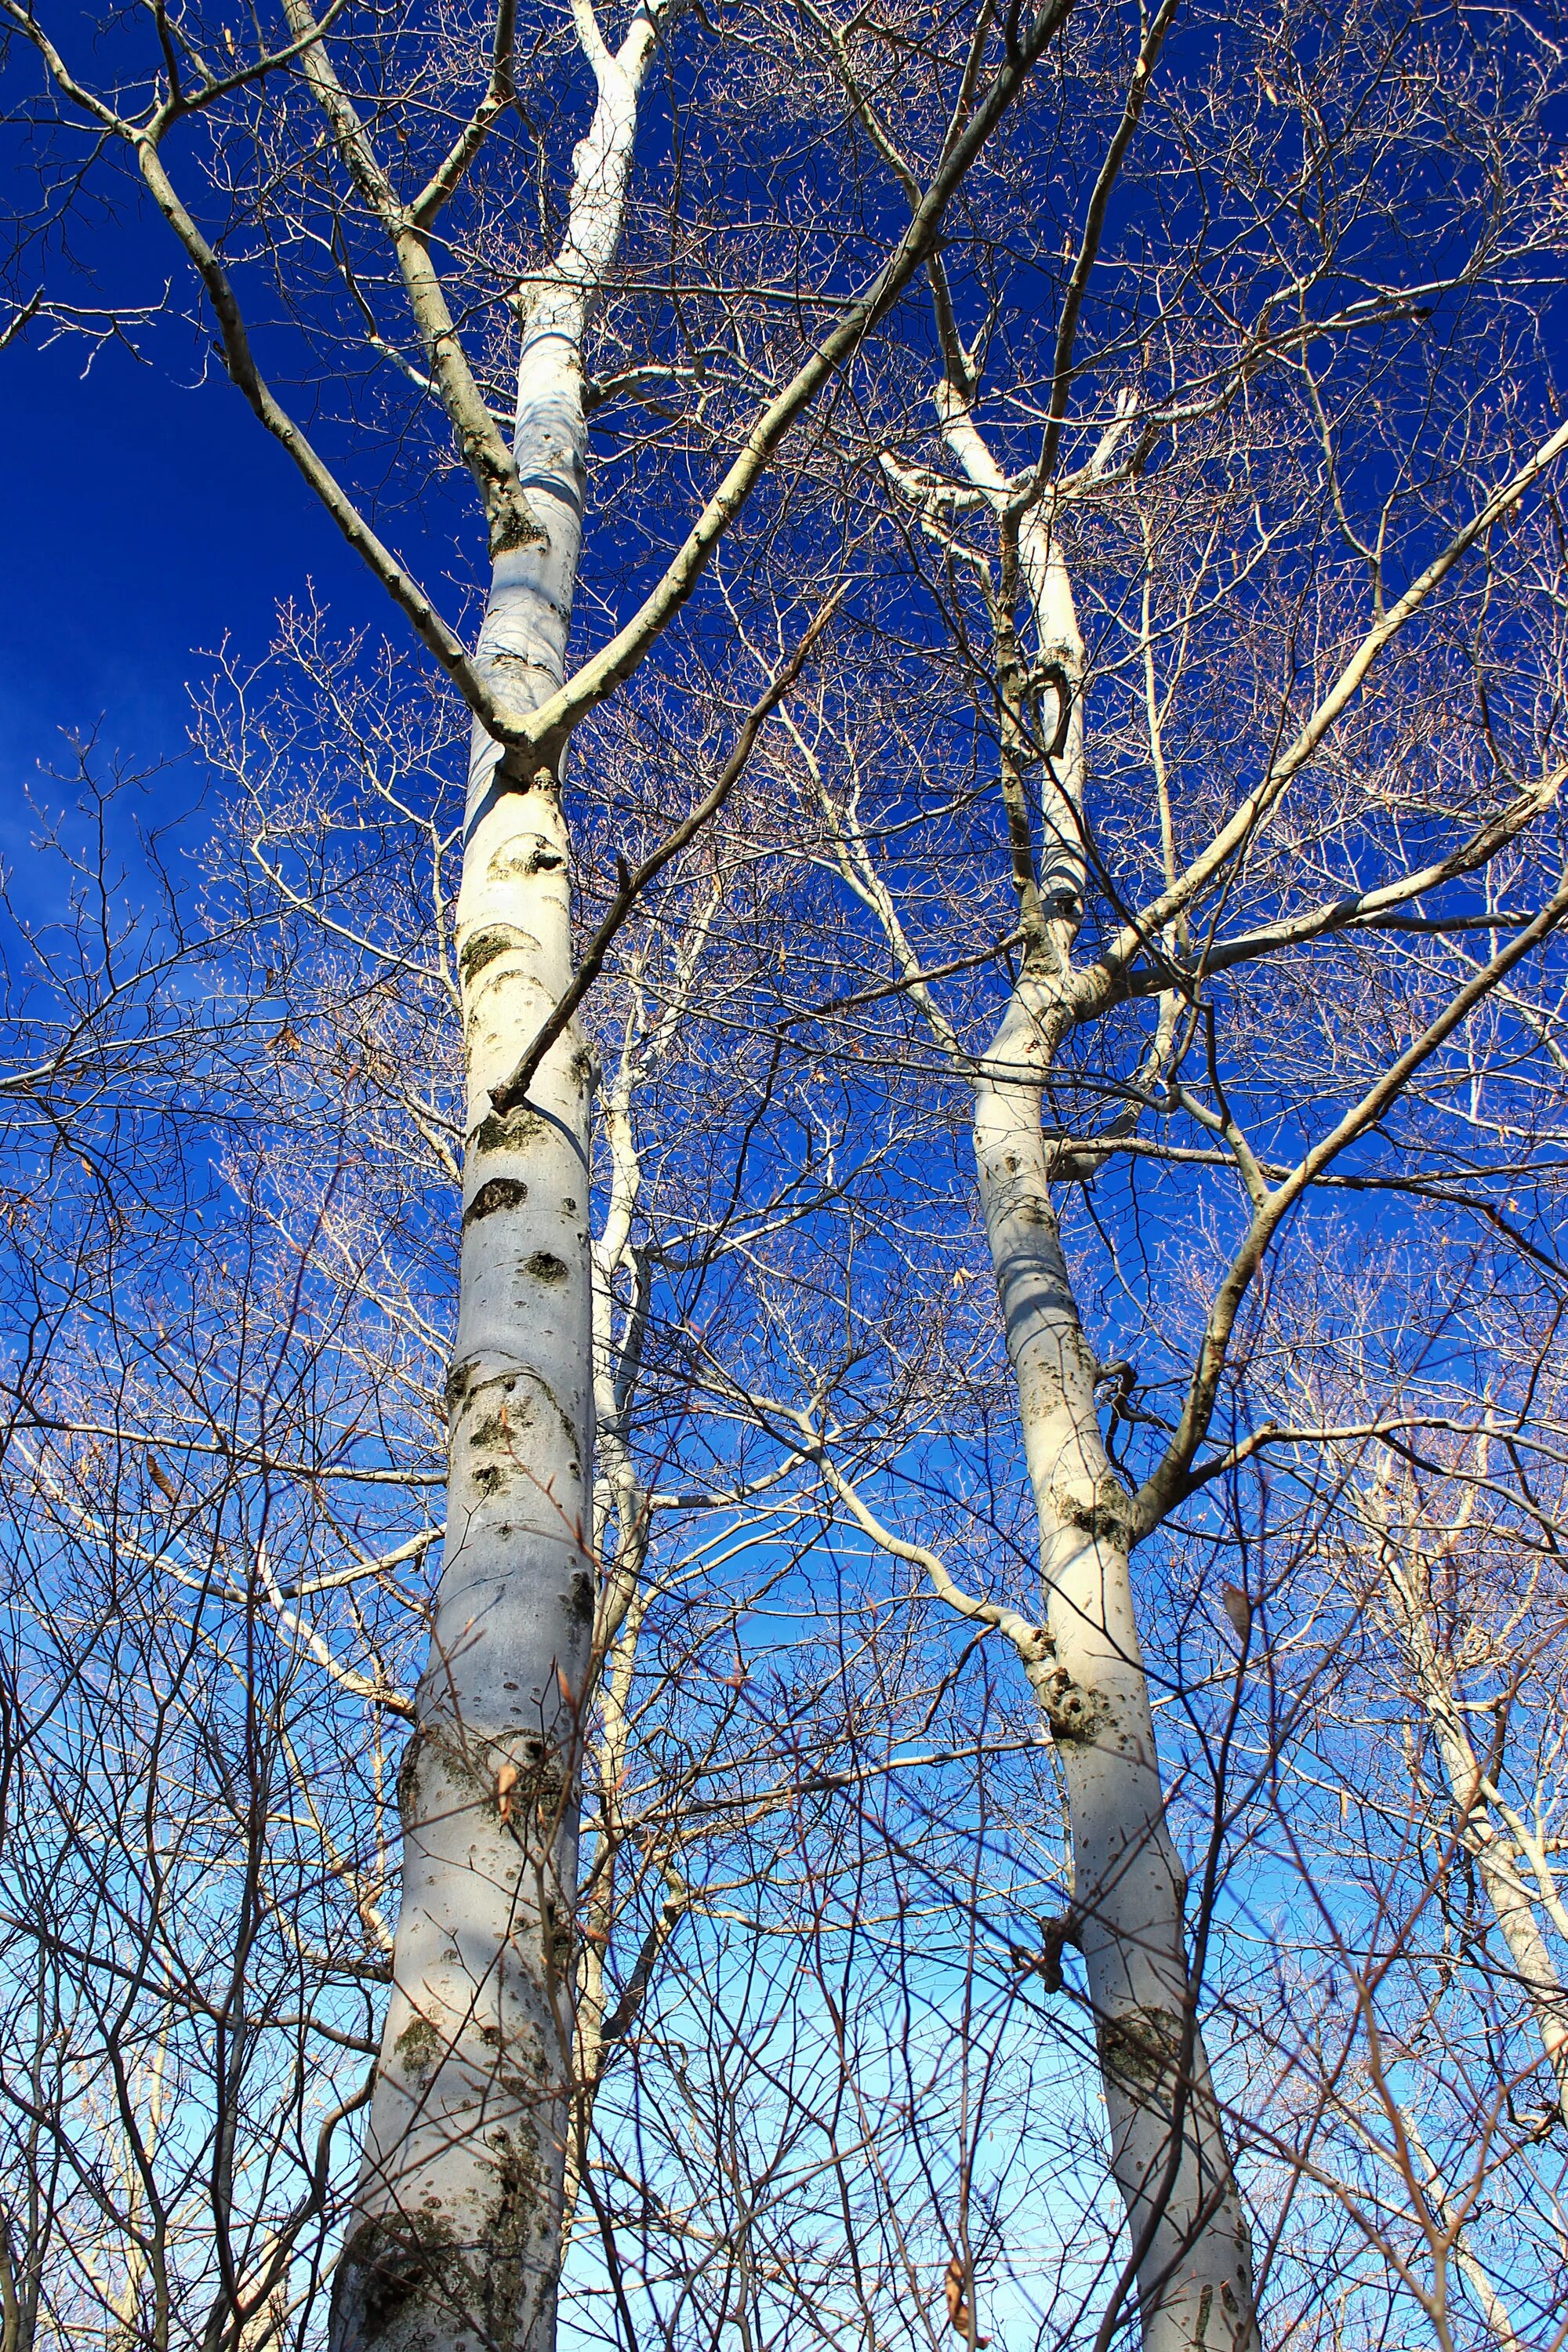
(1108, 1518)
(485, 945)
(1072, 1712)
(385, 2265)
(507, 1130)
(495, 1194)
(1139, 2048)
(419, 2046)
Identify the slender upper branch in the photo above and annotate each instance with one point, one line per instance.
(1146, 926)
(447, 176)
(401, 586)
(1093, 230)
(617, 660)
(511, 521)
(1165, 1486)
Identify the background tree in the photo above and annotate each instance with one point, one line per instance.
(1264, 460)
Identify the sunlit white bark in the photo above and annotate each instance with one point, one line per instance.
(457, 2239)
(1191, 2251)
(1484, 1825)
(1168, 2149)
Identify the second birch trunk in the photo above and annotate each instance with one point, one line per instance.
(1188, 2231)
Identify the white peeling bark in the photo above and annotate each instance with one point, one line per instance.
(454, 2244)
(1185, 2216)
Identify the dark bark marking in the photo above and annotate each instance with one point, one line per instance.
(513, 524)
(508, 1131)
(1108, 1519)
(484, 948)
(408, 1778)
(496, 1193)
(1072, 1712)
(420, 2047)
(494, 1431)
(381, 2270)
(1138, 2049)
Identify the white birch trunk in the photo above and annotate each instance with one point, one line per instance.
(456, 2241)
(1190, 2243)
(1168, 2149)
(1195, 2277)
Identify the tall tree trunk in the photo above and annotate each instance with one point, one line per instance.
(456, 2232)
(1189, 2234)
(1168, 2150)
(1191, 2248)
(456, 2241)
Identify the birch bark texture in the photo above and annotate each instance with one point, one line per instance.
(1190, 2244)
(456, 2236)
(1190, 2253)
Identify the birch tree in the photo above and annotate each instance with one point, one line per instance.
(1402, 1682)
(1135, 581)
(223, 1479)
(458, 2238)
(1065, 472)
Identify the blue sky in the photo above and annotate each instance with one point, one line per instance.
(163, 518)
